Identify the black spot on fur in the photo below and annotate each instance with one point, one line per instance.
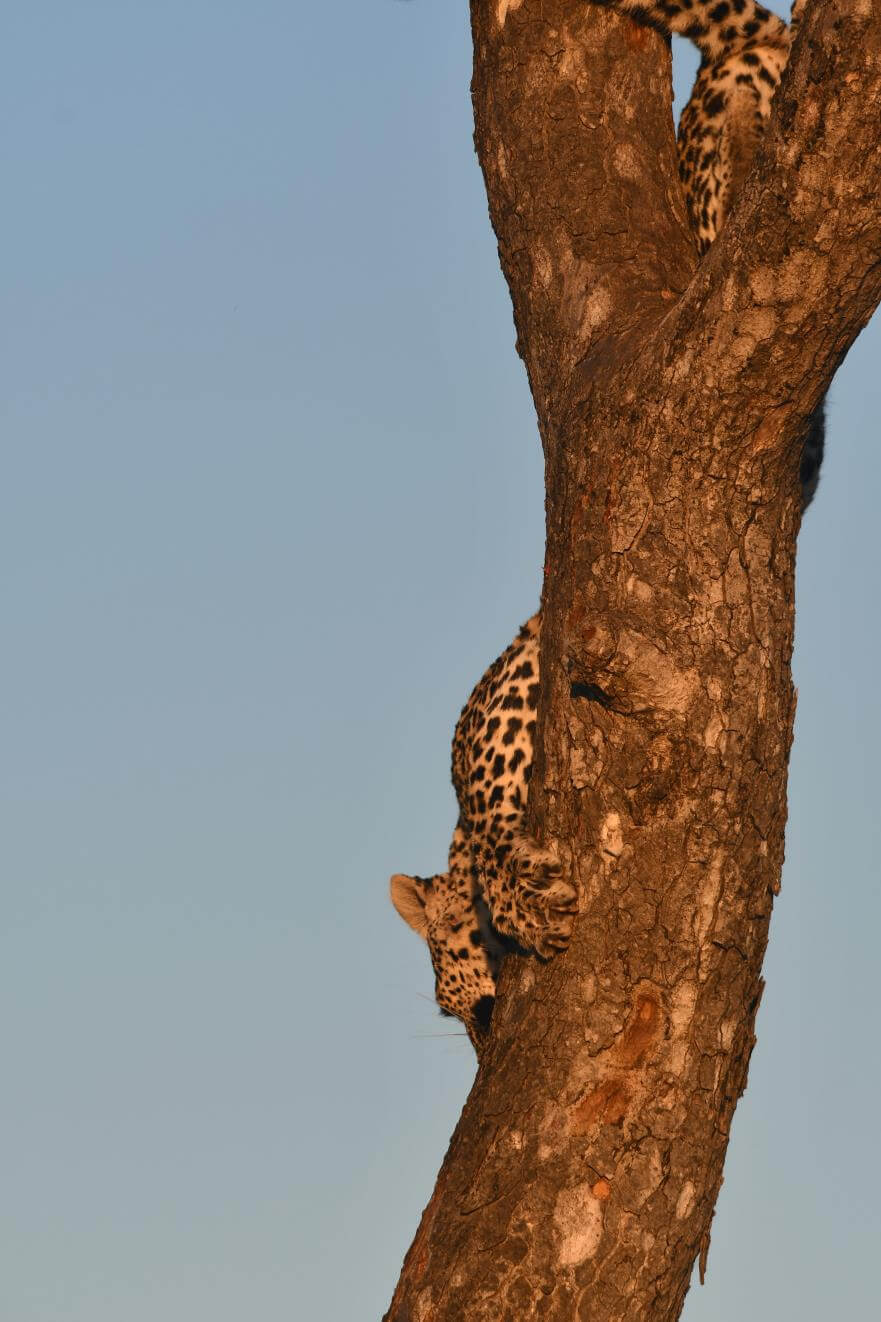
(515, 725)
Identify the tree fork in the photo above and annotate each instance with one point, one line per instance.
(581, 1179)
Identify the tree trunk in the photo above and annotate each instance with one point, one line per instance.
(581, 1179)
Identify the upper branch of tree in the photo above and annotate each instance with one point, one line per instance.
(576, 142)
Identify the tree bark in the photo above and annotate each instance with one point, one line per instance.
(581, 1179)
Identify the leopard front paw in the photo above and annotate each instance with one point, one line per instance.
(539, 906)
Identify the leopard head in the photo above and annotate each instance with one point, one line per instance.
(462, 952)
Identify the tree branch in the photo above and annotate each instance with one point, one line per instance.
(576, 142)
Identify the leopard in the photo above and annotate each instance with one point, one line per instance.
(504, 890)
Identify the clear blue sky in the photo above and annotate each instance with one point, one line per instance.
(271, 500)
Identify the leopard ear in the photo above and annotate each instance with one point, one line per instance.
(408, 896)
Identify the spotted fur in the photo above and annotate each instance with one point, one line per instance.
(503, 889)
(744, 49)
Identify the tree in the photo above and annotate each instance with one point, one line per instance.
(670, 395)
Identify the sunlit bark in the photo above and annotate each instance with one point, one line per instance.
(581, 1179)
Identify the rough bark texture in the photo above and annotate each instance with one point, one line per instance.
(581, 1179)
